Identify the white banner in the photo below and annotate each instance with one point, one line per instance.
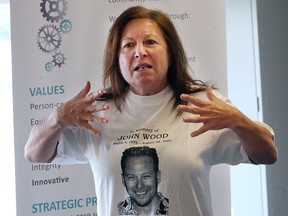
(57, 45)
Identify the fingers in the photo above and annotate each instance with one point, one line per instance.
(84, 91)
(85, 102)
(193, 119)
(201, 130)
(209, 113)
(189, 109)
(210, 94)
(96, 108)
(93, 96)
(89, 117)
(86, 120)
(193, 100)
(80, 110)
(90, 97)
(90, 127)
(199, 102)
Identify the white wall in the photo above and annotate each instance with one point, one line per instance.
(248, 185)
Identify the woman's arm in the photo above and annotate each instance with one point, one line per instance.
(77, 112)
(42, 142)
(257, 141)
(216, 114)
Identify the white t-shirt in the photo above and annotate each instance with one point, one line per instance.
(184, 162)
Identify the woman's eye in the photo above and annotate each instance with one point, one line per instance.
(128, 45)
(150, 42)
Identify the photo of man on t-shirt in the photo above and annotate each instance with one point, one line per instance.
(141, 176)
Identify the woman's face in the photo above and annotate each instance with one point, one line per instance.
(143, 57)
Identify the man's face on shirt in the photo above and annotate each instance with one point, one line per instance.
(141, 180)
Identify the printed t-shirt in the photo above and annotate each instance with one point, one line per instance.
(184, 161)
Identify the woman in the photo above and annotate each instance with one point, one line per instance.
(150, 100)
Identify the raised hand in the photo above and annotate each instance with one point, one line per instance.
(79, 111)
(215, 113)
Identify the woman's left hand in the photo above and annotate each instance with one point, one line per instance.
(215, 114)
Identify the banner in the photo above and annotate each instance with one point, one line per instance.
(57, 45)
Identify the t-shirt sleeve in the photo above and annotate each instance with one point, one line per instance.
(71, 147)
(229, 149)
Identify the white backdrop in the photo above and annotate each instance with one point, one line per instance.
(56, 46)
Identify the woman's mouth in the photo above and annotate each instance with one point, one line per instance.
(142, 67)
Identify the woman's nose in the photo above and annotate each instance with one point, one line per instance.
(140, 52)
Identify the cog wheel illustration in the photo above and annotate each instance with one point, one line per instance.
(49, 66)
(49, 38)
(53, 10)
(58, 59)
(65, 26)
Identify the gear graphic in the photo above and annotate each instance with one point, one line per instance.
(58, 59)
(53, 10)
(49, 38)
(49, 66)
(65, 26)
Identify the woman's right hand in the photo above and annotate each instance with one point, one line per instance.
(42, 144)
(79, 111)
